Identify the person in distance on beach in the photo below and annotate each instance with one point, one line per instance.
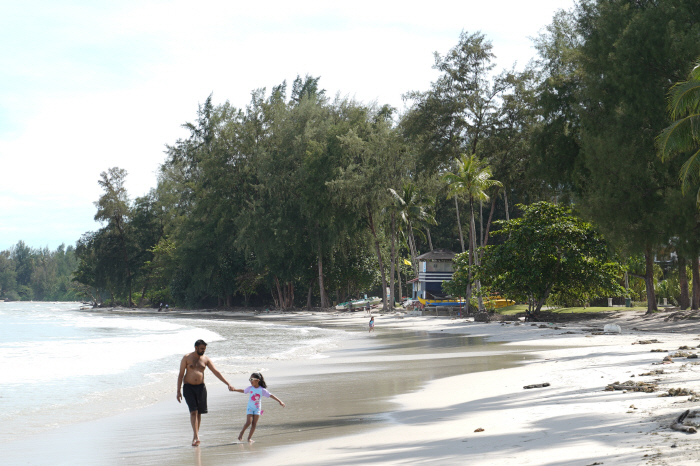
(371, 324)
(257, 389)
(192, 372)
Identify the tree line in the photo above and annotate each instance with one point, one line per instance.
(28, 274)
(300, 198)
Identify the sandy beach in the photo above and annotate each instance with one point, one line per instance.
(416, 391)
(571, 422)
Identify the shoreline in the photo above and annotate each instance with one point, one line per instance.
(353, 399)
(431, 403)
(571, 422)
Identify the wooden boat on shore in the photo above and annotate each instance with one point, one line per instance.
(358, 304)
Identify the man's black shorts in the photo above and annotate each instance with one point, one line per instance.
(196, 397)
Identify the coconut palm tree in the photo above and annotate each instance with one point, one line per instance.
(412, 207)
(473, 179)
(683, 135)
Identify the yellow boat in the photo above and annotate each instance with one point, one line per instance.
(497, 302)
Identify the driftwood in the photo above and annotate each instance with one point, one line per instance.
(678, 392)
(631, 386)
(654, 372)
(537, 385)
(678, 424)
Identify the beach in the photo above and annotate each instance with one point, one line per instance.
(415, 391)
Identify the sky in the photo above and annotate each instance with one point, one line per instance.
(89, 85)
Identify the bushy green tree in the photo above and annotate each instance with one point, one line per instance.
(549, 250)
(607, 67)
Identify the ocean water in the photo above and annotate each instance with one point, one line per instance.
(63, 365)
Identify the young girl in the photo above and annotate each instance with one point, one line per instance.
(371, 324)
(257, 389)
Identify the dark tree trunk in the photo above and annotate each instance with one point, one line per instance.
(505, 199)
(459, 224)
(472, 237)
(274, 297)
(393, 262)
(649, 280)
(322, 289)
(143, 293)
(696, 283)
(488, 223)
(310, 295)
(280, 296)
(414, 250)
(379, 255)
(471, 258)
(683, 279)
(398, 274)
(481, 223)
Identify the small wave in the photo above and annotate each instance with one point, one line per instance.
(55, 360)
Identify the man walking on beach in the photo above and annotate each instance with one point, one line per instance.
(192, 371)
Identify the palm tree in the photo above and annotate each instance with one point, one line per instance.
(473, 179)
(683, 135)
(412, 209)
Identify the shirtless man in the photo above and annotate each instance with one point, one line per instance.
(192, 371)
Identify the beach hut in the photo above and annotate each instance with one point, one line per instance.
(434, 268)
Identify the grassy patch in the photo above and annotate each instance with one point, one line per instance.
(517, 308)
(514, 309)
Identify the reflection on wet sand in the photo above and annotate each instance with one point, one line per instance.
(346, 393)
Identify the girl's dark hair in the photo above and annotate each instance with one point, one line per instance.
(261, 379)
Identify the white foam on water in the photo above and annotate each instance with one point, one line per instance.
(100, 354)
(63, 359)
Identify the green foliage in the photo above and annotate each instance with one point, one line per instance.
(37, 274)
(683, 135)
(461, 278)
(300, 192)
(607, 67)
(473, 179)
(549, 250)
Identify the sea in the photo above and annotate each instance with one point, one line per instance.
(62, 365)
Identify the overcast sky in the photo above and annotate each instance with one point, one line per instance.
(88, 85)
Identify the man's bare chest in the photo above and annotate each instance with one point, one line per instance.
(197, 365)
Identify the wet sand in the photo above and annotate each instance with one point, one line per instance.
(348, 392)
(488, 418)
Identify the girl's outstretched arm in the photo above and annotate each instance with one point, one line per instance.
(239, 390)
(277, 400)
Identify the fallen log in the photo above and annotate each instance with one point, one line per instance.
(631, 386)
(537, 385)
(678, 424)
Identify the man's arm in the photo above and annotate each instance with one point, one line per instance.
(218, 375)
(183, 366)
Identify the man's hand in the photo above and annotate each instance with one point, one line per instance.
(179, 397)
(231, 388)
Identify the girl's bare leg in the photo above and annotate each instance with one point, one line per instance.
(248, 421)
(252, 428)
